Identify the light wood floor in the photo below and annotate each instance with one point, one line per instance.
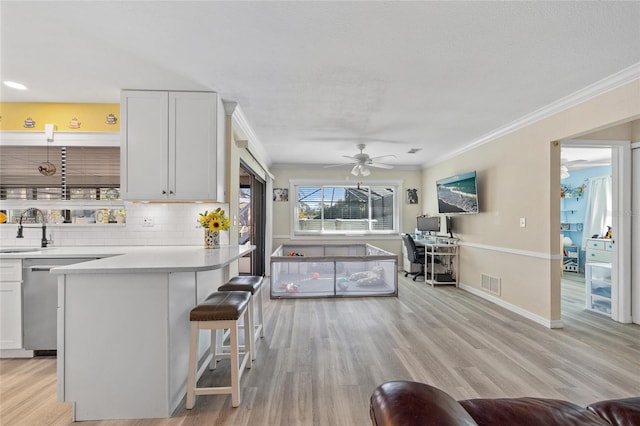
(321, 359)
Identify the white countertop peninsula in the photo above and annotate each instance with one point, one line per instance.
(123, 326)
(158, 259)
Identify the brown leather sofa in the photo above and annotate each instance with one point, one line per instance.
(405, 403)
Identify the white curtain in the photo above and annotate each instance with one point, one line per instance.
(598, 214)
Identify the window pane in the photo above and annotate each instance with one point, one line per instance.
(338, 209)
(382, 203)
(309, 208)
(82, 193)
(49, 193)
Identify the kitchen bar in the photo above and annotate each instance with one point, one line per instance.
(123, 328)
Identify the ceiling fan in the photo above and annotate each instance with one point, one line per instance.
(363, 162)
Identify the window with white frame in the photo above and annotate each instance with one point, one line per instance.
(337, 209)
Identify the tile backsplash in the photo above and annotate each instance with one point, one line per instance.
(172, 224)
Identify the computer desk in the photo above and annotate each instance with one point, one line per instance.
(441, 259)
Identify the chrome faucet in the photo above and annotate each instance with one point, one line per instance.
(44, 240)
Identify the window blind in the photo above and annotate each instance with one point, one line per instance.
(82, 167)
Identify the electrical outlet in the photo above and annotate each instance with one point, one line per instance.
(523, 222)
(147, 221)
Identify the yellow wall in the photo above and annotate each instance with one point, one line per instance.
(67, 117)
(519, 177)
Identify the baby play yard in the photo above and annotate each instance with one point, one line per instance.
(353, 270)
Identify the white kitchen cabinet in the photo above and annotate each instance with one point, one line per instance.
(170, 149)
(10, 304)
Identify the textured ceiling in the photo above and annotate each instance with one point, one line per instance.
(315, 78)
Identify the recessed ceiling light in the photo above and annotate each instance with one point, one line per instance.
(15, 85)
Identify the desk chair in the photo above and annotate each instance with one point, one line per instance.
(415, 254)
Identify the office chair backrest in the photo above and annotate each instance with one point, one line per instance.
(411, 248)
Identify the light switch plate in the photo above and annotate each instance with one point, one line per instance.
(523, 222)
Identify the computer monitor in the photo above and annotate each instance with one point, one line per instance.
(428, 224)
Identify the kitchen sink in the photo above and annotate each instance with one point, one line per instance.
(19, 250)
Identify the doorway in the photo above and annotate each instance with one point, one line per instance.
(252, 214)
(592, 234)
(585, 216)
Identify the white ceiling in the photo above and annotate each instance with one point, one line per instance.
(576, 158)
(315, 78)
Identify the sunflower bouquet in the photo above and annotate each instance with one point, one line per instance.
(214, 220)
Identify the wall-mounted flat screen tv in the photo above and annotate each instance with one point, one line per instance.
(458, 194)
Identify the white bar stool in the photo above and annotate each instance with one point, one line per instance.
(220, 311)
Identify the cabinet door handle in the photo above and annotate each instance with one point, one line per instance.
(164, 192)
(41, 268)
(170, 192)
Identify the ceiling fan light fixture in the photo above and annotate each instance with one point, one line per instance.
(360, 170)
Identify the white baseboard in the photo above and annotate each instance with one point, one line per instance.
(16, 353)
(513, 308)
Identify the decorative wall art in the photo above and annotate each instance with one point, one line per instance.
(280, 194)
(29, 123)
(412, 196)
(74, 123)
(111, 119)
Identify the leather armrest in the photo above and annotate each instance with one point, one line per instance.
(404, 403)
(618, 412)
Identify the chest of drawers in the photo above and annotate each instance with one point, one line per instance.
(598, 250)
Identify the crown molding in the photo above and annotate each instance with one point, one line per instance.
(607, 84)
(254, 144)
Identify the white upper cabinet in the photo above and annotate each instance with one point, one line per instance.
(170, 146)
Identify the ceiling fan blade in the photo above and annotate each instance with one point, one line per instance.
(380, 157)
(380, 165)
(328, 166)
(350, 158)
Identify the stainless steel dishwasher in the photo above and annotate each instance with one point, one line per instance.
(40, 302)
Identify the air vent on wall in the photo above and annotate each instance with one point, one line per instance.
(414, 150)
(490, 284)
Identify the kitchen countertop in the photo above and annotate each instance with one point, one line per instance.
(127, 259)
